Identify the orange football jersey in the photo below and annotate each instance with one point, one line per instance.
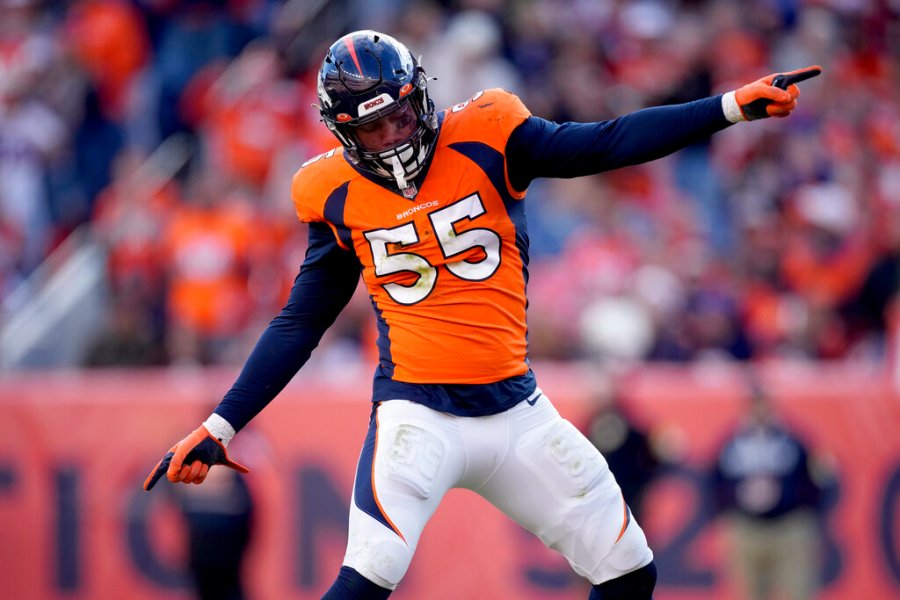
(446, 269)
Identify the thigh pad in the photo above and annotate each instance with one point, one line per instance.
(564, 460)
(413, 457)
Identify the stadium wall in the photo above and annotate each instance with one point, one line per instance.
(75, 448)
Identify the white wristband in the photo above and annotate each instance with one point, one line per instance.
(219, 428)
(731, 109)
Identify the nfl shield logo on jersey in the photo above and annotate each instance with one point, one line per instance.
(410, 191)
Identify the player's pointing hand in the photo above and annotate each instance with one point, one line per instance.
(774, 95)
(189, 460)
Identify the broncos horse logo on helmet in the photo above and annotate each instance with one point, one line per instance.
(367, 76)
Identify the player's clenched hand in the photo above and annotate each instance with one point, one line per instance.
(189, 460)
(774, 95)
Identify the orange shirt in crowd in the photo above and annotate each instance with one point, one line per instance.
(208, 252)
(825, 280)
(108, 37)
(132, 225)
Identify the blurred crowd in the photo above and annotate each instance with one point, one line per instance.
(169, 129)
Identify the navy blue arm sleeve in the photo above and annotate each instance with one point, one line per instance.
(541, 148)
(324, 286)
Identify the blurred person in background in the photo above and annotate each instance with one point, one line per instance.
(130, 220)
(627, 447)
(766, 487)
(427, 206)
(210, 249)
(32, 132)
(188, 36)
(248, 112)
(127, 337)
(110, 40)
(108, 47)
(873, 311)
(468, 56)
(221, 519)
(219, 529)
(824, 263)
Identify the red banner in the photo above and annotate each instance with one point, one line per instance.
(75, 523)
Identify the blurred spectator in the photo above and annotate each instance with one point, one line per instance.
(191, 34)
(110, 39)
(825, 260)
(209, 248)
(128, 338)
(221, 517)
(419, 26)
(826, 256)
(249, 113)
(32, 133)
(628, 449)
(712, 323)
(764, 484)
(869, 311)
(108, 47)
(130, 218)
(467, 58)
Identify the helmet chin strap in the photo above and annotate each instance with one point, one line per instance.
(399, 174)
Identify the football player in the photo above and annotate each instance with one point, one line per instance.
(428, 207)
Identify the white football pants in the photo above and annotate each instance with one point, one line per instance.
(529, 462)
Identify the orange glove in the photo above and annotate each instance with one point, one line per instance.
(189, 460)
(774, 95)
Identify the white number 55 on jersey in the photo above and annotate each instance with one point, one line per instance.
(452, 242)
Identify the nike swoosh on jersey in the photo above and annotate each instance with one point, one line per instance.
(534, 399)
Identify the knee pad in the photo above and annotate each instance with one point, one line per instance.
(637, 585)
(383, 561)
